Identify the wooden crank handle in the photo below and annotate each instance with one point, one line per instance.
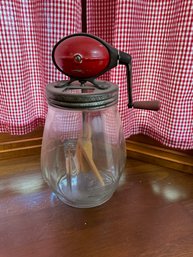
(147, 105)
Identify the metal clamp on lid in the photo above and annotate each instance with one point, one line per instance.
(81, 96)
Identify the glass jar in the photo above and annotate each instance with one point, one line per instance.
(83, 148)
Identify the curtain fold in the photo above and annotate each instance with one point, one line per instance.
(29, 31)
(158, 35)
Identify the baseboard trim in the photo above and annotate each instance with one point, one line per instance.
(159, 155)
(20, 148)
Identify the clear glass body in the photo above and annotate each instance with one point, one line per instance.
(83, 154)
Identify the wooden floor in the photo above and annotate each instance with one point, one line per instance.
(150, 215)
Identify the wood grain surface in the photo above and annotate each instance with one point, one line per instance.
(150, 215)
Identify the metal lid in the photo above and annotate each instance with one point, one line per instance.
(87, 96)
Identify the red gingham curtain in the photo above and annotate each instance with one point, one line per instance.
(158, 35)
(29, 30)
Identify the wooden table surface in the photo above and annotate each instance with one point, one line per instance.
(150, 215)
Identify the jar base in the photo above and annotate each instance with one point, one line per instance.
(85, 191)
(85, 204)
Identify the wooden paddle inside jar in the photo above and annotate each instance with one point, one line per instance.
(84, 151)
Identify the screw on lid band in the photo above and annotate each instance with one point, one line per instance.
(76, 96)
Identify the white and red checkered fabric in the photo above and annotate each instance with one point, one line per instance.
(158, 35)
(29, 30)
